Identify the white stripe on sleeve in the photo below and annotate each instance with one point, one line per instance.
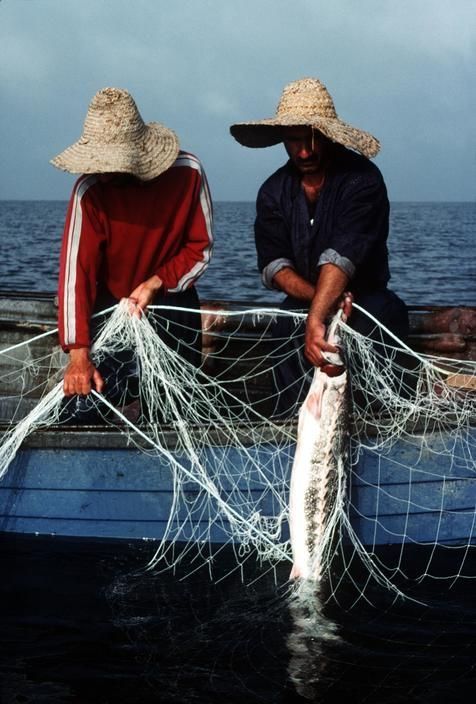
(74, 236)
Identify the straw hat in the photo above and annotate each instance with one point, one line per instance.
(305, 103)
(116, 139)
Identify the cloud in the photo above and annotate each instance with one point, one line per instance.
(401, 70)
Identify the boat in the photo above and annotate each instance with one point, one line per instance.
(93, 483)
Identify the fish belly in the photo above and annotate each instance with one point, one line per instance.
(317, 472)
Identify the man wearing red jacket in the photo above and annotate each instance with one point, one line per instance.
(138, 226)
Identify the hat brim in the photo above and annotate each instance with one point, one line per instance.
(145, 158)
(267, 133)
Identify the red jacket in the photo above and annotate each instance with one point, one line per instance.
(119, 234)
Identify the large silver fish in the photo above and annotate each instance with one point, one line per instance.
(318, 478)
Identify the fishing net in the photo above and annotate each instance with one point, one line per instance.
(199, 457)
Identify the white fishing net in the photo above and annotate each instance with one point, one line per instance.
(205, 463)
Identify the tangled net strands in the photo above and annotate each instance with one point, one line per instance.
(230, 459)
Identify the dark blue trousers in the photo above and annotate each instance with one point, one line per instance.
(292, 371)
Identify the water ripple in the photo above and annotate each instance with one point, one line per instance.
(430, 245)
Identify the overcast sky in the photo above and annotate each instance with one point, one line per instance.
(401, 69)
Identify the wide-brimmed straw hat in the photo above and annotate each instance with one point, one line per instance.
(116, 139)
(305, 103)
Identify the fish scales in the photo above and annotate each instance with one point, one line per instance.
(328, 452)
(318, 474)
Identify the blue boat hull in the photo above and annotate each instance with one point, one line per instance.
(415, 493)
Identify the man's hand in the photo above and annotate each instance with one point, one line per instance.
(81, 375)
(316, 345)
(143, 294)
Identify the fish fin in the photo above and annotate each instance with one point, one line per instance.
(294, 573)
(297, 572)
(314, 404)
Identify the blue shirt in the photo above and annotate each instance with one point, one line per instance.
(349, 226)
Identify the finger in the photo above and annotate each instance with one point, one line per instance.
(327, 347)
(84, 387)
(69, 386)
(143, 300)
(314, 356)
(98, 381)
(136, 305)
(131, 305)
(311, 358)
(347, 305)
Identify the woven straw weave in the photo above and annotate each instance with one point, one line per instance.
(115, 139)
(305, 103)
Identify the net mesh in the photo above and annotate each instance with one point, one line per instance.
(216, 441)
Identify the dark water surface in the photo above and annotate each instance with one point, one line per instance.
(431, 251)
(82, 623)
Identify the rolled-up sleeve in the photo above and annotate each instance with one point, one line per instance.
(272, 240)
(330, 256)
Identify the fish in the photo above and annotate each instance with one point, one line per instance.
(318, 475)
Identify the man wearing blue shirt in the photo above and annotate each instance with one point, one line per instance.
(321, 226)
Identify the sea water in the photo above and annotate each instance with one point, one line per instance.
(84, 622)
(431, 249)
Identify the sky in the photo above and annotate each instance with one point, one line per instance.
(403, 71)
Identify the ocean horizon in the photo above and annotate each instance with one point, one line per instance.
(430, 251)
